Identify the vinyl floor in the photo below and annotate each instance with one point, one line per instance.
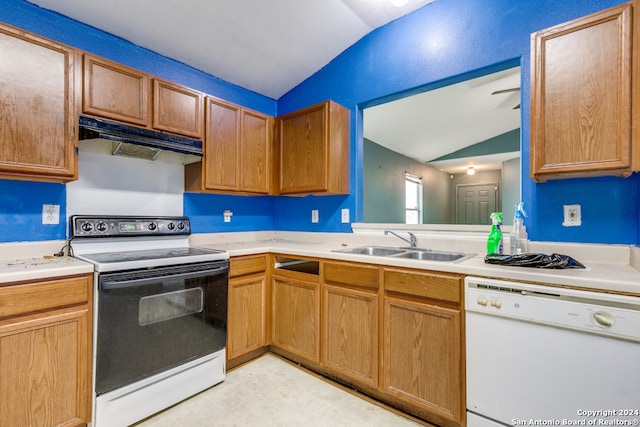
(271, 392)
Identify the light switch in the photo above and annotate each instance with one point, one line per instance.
(345, 215)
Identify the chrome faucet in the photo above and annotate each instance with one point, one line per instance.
(412, 238)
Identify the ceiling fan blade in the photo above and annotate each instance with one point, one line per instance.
(513, 89)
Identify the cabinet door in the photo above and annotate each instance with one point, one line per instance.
(255, 151)
(38, 135)
(177, 109)
(303, 151)
(422, 357)
(581, 97)
(221, 154)
(114, 91)
(314, 150)
(45, 371)
(350, 333)
(296, 317)
(246, 326)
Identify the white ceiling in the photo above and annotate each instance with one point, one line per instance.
(271, 46)
(435, 123)
(268, 47)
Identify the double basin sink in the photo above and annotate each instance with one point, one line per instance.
(409, 253)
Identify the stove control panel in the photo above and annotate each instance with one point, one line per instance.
(120, 226)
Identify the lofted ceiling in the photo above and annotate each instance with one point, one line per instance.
(268, 47)
(441, 121)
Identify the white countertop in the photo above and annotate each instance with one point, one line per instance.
(28, 261)
(37, 268)
(615, 275)
(33, 260)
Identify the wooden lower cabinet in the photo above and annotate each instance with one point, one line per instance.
(45, 353)
(423, 363)
(350, 322)
(248, 307)
(296, 317)
(422, 356)
(394, 333)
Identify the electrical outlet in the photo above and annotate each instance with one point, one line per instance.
(572, 216)
(51, 214)
(314, 216)
(227, 214)
(345, 216)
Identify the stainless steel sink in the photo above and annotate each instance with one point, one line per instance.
(372, 250)
(410, 253)
(435, 255)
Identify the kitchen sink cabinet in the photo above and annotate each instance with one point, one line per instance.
(45, 352)
(581, 94)
(38, 136)
(423, 363)
(237, 154)
(296, 313)
(248, 308)
(350, 322)
(314, 150)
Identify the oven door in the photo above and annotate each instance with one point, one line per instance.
(154, 319)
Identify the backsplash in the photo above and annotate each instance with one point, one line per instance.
(112, 185)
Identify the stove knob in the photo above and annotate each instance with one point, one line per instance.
(101, 227)
(181, 226)
(171, 226)
(86, 227)
(152, 226)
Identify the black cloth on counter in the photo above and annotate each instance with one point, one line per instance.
(534, 260)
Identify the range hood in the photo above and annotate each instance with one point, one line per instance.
(133, 141)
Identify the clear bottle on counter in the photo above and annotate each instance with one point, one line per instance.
(518, 239)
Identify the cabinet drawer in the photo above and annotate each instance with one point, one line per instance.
(18, 300)
(351, 274)
(431, 285)
(248, 265)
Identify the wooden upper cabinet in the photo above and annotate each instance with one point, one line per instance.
(255, 150)
(314, 150)
(114, 91)
(237, 151)
(221, 146)
(38, 134)
(121, 93)
(177, 109)
(581, 97)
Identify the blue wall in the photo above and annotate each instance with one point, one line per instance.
(452, 40)
(21, 202)
(21, 211)
(442, 43)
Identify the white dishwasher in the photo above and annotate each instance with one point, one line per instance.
(549, 356)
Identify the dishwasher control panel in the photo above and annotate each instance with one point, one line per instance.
(616, 316)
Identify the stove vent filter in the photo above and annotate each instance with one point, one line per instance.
(138, 151)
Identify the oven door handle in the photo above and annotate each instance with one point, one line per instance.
(123, 280)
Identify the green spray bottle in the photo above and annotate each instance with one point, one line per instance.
(494, 241)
